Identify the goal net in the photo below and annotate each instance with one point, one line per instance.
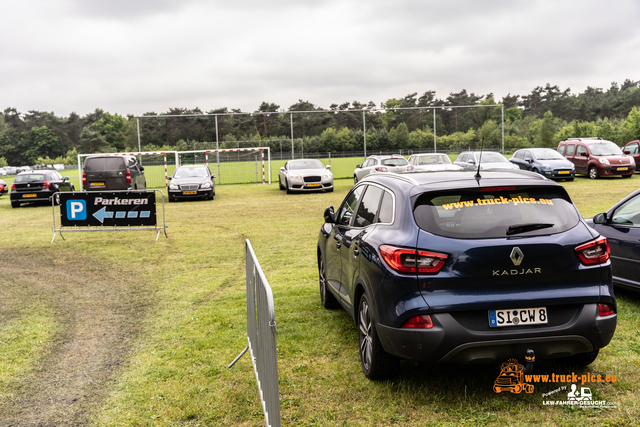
(233, 165)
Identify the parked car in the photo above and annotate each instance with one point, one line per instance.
(38, 186)
(380, 164)
(545, 161)
(621, 225)
(192, 182)
(106, 173)
(469, 160)
(3, 172)
(3, 187)
(11, 170)
(631, 149)
(305, 175)
(432, 162)
(597, 157)
(455, 268)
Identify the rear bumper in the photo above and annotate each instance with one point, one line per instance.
(450, 341)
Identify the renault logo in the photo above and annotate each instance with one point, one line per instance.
(516, 256)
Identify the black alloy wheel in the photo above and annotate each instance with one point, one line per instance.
(376, 363)
(327, 299)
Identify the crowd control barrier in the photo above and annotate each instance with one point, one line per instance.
(261, 337)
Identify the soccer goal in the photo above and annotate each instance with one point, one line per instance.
(158, 166)
(233, 165)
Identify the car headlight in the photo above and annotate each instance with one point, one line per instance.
(205, 185)
(546, 166)
(327, 177)
(604, 161)
(173, 187)
(295, 178)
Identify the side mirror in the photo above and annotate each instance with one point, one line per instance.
(213, 177)
(329, 215)
(627, 152)
(358, 166)
(282, 169)
(600, 218)
(473, 162)
(142, 168)
(66, 178)
(169, 178)
(328, 167)
(583, 154)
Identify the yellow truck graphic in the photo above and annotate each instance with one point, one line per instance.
(511, 378)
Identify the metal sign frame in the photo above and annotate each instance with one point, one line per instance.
(88, 228)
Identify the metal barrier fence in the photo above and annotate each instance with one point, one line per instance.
(261, 337)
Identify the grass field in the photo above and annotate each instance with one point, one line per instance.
(115, 329)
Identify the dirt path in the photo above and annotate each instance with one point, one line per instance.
(99, 312)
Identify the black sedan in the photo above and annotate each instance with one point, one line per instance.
(37, 186)
(451, 267)
(621, 225)
(192, 182)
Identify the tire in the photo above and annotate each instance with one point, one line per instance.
(355, 180)
(280, 184)
(535, 170)
(376, 363)
(593, 173)
(581, 359)
(15, 204)
(569, 180)
(171, 200)
(327, 299)
(330, 190)
(626, 176)
(286, 185)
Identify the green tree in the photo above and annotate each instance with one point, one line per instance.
(43, 143)
(112, 128)
(92, 141)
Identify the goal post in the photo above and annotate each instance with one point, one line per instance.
(233, 165)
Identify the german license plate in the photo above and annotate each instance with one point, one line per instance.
(97, 184)
(24, 196)
(564, 172)
(518, 317)
(623, 169)
(313, 185)
(188, 193)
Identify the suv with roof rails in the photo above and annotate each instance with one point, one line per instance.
(597, 157)
(459, 268)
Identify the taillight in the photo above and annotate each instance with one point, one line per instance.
(381, 169)
(419, 322)
(405, 260)
(410, 168)
(129, 177)
(594, 252)
(13, 187)
(46, 184)
(84, 179)
(605, 310)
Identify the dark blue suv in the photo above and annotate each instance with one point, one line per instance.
(454, 267)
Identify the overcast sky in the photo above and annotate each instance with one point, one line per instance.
(137, 56)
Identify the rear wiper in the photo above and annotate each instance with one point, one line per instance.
(523, 228)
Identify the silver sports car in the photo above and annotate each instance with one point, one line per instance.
(305, 175)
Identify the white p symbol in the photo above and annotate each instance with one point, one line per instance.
(76, 207)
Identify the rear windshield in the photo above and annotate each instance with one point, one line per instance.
(496, 212)
(400, 161)
(104, 164)
(30, 178)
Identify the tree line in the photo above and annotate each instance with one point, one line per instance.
(541, 119)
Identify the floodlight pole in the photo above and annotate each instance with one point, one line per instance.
(503, 129)
(291, 115)
(364, 127)
(217, 150)
(138, 122)
(435, 150)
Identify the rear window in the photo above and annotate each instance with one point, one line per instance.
(104, 164)
(496, 212)
(400, 161)
(30, 178)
